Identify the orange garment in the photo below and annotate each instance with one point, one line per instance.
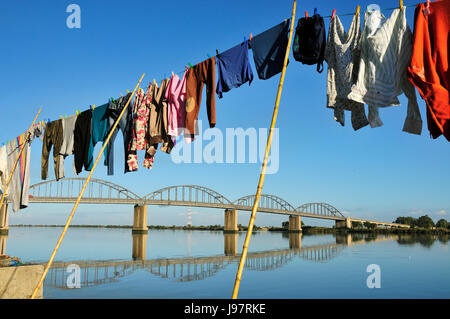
(202, 73)
(428, 70)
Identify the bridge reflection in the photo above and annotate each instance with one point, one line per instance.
(187, 269)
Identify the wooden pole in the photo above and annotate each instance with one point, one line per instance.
(17, 158)
(264, 166)
(47, 267)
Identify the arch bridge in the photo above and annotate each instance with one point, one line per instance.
(104, 192)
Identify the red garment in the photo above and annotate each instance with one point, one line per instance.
(428, 70)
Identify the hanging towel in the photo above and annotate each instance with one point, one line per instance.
(176, 104)
(19, 186)
(386, 47)
(81, 140)
(3, 168)
(200, 74)
(428, 69)
(269, 50)
(53, 136)
(343, 60)
(125, 125)
(234, 68)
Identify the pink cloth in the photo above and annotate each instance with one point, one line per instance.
(176, 106)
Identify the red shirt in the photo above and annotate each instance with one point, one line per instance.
(428, 70)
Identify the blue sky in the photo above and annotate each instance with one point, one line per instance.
(377, 173)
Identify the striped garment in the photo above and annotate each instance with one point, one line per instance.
(343, 60)
(386, 48)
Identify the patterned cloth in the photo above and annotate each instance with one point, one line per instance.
(342, 59)
(386, 47)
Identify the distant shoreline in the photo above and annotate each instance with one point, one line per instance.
(305, 229)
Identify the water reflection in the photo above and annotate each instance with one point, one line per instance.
(186, 269)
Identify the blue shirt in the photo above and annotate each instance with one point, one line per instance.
(269, 50)
(99, 133)
(234, 68)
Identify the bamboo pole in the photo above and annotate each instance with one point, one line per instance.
(264, 166)
(17, 158)
(47, 267)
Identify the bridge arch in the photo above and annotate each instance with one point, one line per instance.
(266, 202)
(321, 209)
(193, 194)
(71, 188)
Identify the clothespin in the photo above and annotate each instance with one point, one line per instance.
(128, 92)
(333, 14)
(251, 36)
(245, 39)
(357, 10)
(93, 107)
(400, 4)
(306, 14)
(90, 107)
(217, 52)
(426, 11)
(62, 118)
(315, 10)
(48, 121)
(172, 73)
(121, 94)
(207, 54)
(154, 82)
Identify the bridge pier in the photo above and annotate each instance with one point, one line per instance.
(230, 224)
(139, 246)
(295, 224)
(347, 223)
(4, 216)
(230, 243)
(140, 220)
(345, 239)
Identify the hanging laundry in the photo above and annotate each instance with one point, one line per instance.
(53, 136)
(158, 118)
(386, 47)
(125, 125)
(269, 50)
(82, 140)
(139, 138)
(310, 41)
(202, 73)
(18, 189)
(68, 126)
(3, 167)
(428, 70)
(99, 132)
(234, 68)
(176, 104)
(342, 59)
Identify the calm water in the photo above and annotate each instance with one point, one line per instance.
(203, 264)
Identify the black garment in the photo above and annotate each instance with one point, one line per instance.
(53, 136)
(269, 49)
(81, 140)
(125, 125)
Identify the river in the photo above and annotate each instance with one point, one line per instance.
(113, 263)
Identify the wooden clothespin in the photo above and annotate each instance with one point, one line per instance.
(427, 11)
(333, 14)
